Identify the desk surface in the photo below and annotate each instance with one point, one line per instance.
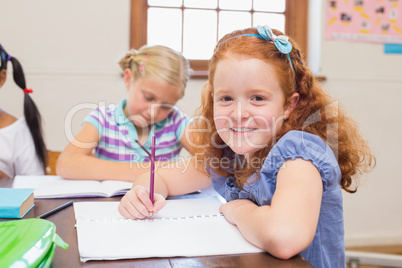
(65, 228)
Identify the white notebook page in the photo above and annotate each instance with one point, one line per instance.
(184, 227)
(57, 187)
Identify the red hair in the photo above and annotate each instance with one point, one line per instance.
(314, 113)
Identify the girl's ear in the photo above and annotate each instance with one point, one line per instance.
(3, 77)
(291, 104)
(128, 77)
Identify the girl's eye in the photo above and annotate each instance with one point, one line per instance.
(226, 99)
(148, 98)
(258, 98)
(167, 107)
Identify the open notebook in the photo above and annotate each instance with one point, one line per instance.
(57, 187)
(184, 227)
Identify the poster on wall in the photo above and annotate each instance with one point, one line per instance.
(378, 21)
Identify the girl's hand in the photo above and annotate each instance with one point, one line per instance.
(232, 210)
(136, 204)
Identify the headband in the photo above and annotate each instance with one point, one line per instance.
(281, 42)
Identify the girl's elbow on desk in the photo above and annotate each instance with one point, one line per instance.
(283, 243)
(61, 168)
(266, 232)
(66, 167)
(276, 237)
(69, 166)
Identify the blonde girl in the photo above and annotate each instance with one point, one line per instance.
(155, 78)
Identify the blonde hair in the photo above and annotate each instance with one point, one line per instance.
(158, 61)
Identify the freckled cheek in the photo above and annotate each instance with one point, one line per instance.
(268, 127)
(265, 119)
(223, 128)
(223, 108)
(218, 124)
(260, 122)
(222, 115)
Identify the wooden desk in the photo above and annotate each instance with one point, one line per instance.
(65, 228)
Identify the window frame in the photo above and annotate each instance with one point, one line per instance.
(296, 26)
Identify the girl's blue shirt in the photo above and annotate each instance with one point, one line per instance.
(327, 248)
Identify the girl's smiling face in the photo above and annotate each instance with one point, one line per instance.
(249, 106)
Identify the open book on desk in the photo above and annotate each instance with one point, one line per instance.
(184, 227)
(57, 187)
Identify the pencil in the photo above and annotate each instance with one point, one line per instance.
(152, 182)
(152, 156)
(51, 212)
(142, 147)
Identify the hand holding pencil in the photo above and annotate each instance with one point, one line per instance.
(136, 203)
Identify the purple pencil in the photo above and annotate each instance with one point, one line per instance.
(152, 183)
(152, 156)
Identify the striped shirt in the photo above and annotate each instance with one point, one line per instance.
(118, 135)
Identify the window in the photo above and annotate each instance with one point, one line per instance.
(194, 26)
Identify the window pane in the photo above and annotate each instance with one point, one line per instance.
(276, 21)
(273, 6)
(199, 38)
(235, 4)
(165, 3)
(233, 20)
(162, 33)
(201, 3)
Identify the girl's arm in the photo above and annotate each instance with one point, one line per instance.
(77, 161)
(177, 178)
(185, 139)
(288, 225)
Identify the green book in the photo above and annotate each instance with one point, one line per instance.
(15, 203)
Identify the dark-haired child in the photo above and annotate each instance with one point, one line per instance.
(23, 150)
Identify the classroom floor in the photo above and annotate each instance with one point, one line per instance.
(392, 249)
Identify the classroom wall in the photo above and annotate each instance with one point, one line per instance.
(69, 50)
(368, 84)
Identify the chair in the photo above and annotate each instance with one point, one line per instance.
(51, 165)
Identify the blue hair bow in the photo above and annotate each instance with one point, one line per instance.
(281, 42)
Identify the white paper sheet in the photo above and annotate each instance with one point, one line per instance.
(184, 227)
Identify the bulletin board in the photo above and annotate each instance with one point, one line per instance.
(376, 21)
